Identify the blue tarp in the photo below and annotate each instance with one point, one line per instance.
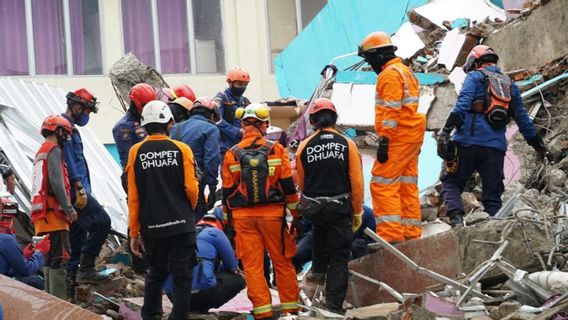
(336, 30)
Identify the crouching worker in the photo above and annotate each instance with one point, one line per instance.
(330, 177)
(162, 194)
(52, 211)
(215, 278)
(14, 263)
(257, 189)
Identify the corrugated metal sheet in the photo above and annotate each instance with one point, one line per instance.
(23, 106)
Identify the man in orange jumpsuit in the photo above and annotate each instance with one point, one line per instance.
(400, 129)
(257, 189)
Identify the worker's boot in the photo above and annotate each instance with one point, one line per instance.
(456, 218)
(45, 271)
(58, 283)
(87, 273)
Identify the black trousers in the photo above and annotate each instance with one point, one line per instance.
(175, 254)
(332, 248)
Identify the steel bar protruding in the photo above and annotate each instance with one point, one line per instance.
(383, 285)
(419, 269)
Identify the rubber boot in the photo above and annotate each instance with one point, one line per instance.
(45, 271)
(58, 283)
(87, 273)
(456, 218)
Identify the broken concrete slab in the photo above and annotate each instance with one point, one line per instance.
(504, 309)
(375, 312)
(441, 107)
(476, 217)
(20, 301)
(540, 31)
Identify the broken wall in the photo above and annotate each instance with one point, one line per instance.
(532, 41)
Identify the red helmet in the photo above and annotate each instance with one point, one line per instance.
(51, 123)
(322, 104)
(141, 94)
(203, 102)
(211, 220)
(183, 90)
(83, 97)
(479, 52)
(238, 74)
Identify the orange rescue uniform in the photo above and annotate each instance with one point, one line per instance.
(394, 186)
(260, 228)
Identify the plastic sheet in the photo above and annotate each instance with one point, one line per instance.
(20, 301)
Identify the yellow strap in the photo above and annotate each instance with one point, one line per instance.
(274, 162)
(235, 168)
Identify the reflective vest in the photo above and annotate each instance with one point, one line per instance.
(43, 198)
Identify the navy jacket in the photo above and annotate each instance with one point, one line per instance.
(75, 159)
(229, 126)
(126, 133)
(12, 261)
(483, 134)
(202, 136)
(213, 247)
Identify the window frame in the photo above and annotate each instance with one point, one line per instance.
(32, 72)
(190, 34)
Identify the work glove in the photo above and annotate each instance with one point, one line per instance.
(297, 227)
(538, 145)
(29, 250)
(81, 198)
(357, 221)
(383, 150)
(211, 198)
(446, 148)
(44, 245)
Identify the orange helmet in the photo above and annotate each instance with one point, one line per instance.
(183, 90)
(141, 94)
(83, 97)
(374, 40)
(203, 102)
(479, 52)
(211, 220)
(238, 74)
(184, 102)
(51, 123)
(322, 104)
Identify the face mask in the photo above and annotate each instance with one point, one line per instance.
(83, 119)
(238, 91)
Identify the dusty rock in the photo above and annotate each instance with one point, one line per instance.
(505, 309)
(476, 217)
(113, 314)
(415, 313)
(375, 312)
(470, 202)
(429, 213)
(555, 178)
(563, 165)
(520, 316)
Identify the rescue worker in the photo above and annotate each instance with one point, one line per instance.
(162, 194)
(89, 232)
(257, 189)
(330, 171)
(202, 136)
(479, 140)
(9, 177)
(400, 130)
(215, 277)
(127, 131)
(180, 109)
(304, 244)
(183, 90)
(228, 102)
(52, 212)
(13, 262)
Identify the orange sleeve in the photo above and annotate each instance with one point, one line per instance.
(191, 183)
(356, 178)
(300, 165)
(133, 200)
(388, 102)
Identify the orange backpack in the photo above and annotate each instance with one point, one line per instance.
(496, 103)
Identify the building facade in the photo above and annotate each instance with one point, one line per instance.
(73, 43)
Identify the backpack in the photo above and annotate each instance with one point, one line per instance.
(254, 186)
(496, 102)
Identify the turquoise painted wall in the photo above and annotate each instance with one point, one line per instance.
(111, 148)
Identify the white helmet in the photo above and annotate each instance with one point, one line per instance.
(156, 111)
(259, 111)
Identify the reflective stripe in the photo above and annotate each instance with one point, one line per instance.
(408, 179)
(388, 103)
(289, 305)
(262, 309)
(235, 168)
(383, 180)
(390, 123)
(410, 100)
(387, 218)
(411, 222)
(292, 205)
(274, 162)
(225, 216)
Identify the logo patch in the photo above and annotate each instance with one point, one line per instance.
(254, 162)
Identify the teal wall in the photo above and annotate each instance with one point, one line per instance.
(111, 148)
